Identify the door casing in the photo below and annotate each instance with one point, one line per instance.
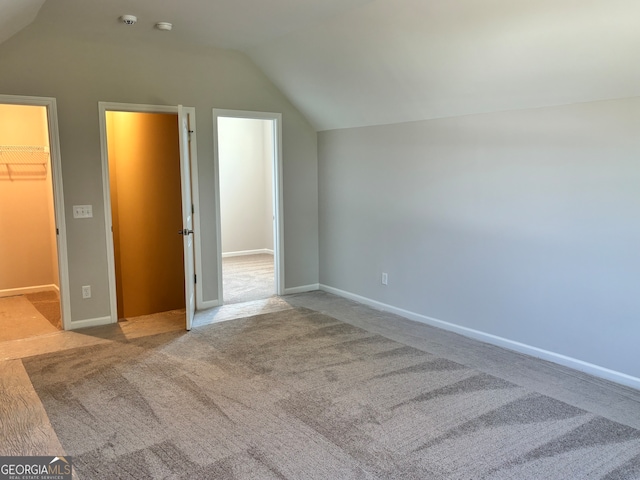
(140, 108)
(278, 243)
(58, 197)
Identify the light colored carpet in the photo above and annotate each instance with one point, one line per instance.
(48, 304)
(20, 319)
(24, 426)
(246, 278)
(300, 395)
(171, 315)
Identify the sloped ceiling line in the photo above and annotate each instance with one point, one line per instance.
(351, 63)
(16, 15)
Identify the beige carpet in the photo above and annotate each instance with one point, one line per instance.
(247, 278)
(48, 304)
(20, 319)
(300, 395)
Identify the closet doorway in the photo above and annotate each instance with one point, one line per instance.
(247, 149)
(147, 156)
(33, 282)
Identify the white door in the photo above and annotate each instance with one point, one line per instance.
(187, 215)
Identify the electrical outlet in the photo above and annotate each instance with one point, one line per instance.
(86, 291)
(385, 278)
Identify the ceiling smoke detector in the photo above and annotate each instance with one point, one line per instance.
(166, 26)
(129, 19)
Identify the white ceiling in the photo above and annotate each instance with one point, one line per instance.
(235, 24)
(347, 63)
(400, 60)
(15, 15)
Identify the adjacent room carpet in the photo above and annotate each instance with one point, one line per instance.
(19, 318)
(300, 395)
(48, 304)
(247, 278)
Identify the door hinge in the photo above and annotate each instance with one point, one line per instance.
(57, 231)
(193, 209)
(195, 278)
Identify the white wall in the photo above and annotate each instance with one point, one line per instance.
(522, 224)
(246, 173)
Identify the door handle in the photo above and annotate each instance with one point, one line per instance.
(185, 232)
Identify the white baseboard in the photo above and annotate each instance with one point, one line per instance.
(90, 322)
(11, 292)
(302, 289)
(247, 252)
(590, 368)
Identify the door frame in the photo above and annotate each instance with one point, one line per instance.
(278, 228)
(103, 108)
(58, 197)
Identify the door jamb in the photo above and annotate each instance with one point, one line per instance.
(58, 197)
(104, 107)
(278, 229)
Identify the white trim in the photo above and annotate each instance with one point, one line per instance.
(90, 322)
(138, 107)
(195, 198)
(278, 233)
(590, 368)
(260, 251)
(58, 196)
(302, 289)
(12, 292)
(103, 107)
(216, 188)
(106, 196)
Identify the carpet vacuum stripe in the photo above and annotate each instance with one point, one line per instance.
(300, 395)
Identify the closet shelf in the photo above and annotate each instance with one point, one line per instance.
(24, 160)
(24, 155)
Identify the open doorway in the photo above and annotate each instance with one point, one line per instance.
(247, 151)
(149, 210)
(32, 267)
(144, 179)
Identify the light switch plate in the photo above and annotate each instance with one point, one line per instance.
(82, 211)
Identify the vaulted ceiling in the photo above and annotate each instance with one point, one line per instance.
(348, 63)
(15, 15)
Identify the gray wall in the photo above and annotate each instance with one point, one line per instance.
(41, 61)
(521, 224)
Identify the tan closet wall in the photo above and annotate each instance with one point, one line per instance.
(144, 170)
(28, 256)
